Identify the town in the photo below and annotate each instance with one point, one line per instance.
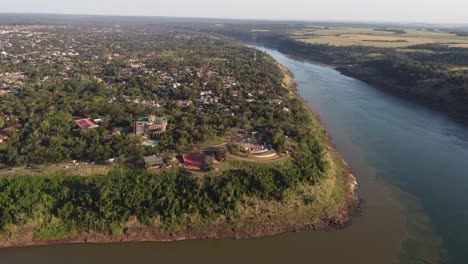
(151, 105)
(131, 132)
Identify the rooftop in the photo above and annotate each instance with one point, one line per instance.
(152, 160)
(13, 127)
(86, 123)
(149, 120)
(160, 120)
(194, 162)
(143, 120)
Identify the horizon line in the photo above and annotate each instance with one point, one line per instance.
(242, 19)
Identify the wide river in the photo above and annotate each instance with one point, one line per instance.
(412, 167)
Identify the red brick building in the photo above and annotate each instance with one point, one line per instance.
(86, 123)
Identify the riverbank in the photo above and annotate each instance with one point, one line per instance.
(352, 202)
(395, 90)
(335, 202)
(397, 75)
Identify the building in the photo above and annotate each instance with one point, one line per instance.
(86, 123)
(13, 128)
(3, 138)
(153, 162)
(194, 162)
(150, 126)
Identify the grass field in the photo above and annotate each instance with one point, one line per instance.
(459, 69)
(260, 30)
(58, 169)
(376, 38)
(213, 141)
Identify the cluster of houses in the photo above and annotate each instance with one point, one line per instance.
(150, 128)
(19, 43)
(252, 143)
(36, 45)
(33, 44)
(14, 78)
(11, 82)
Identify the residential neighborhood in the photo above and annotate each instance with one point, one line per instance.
(113, 102)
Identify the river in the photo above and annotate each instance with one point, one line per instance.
(412, 167)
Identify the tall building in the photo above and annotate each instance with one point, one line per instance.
(150, 126)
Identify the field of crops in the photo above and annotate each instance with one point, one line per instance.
(377, 38)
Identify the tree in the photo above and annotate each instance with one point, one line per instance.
(221, 154)
(233, 148)
(209, 161)
(280, 142)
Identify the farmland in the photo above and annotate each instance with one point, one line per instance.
(381, 38)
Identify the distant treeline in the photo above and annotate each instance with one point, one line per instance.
(396, 31)
(460, 33)
(382, 40)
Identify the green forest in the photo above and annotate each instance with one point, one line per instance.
(65, 206)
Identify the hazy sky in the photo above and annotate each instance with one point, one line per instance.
(356, 10)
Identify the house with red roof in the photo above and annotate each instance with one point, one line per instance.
(3, 138)
(194, 162)
(86, 123)
(13, 128)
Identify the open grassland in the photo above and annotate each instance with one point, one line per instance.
(260, 30)
(58, 170)
(342, 31)
(214, 141)
(377, 38)
(459, 69)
